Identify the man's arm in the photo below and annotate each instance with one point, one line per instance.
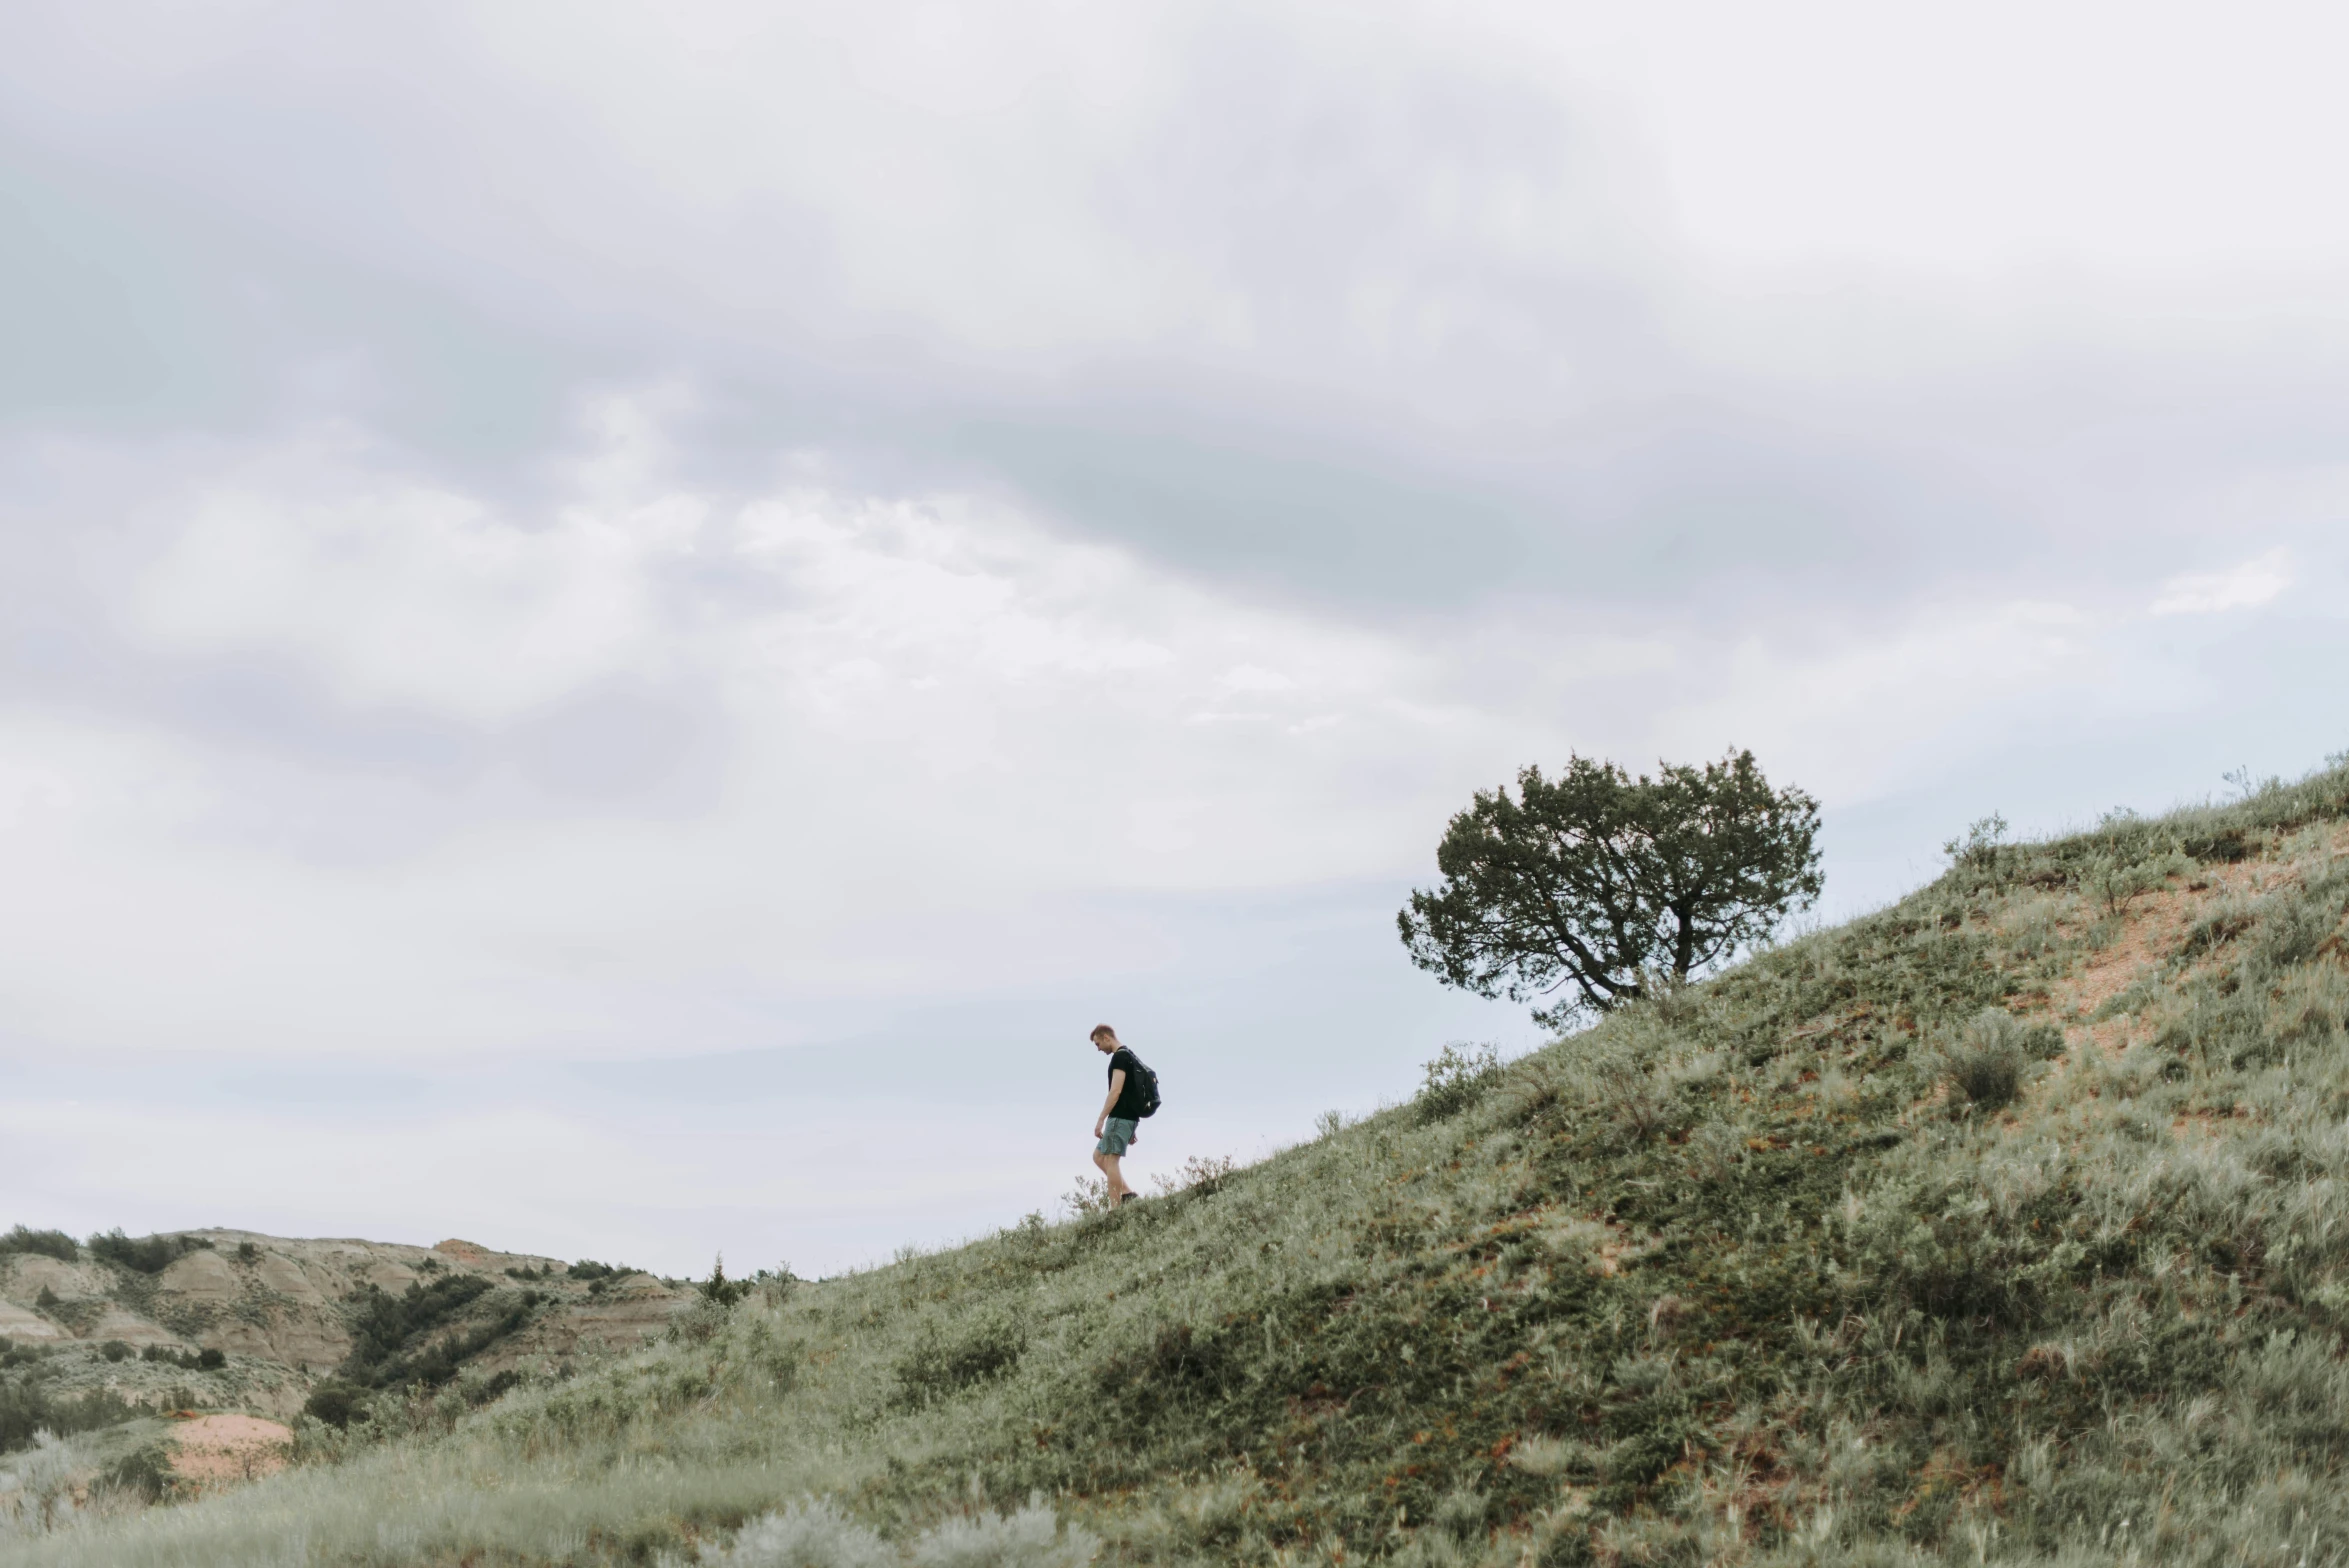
(1117, 1086)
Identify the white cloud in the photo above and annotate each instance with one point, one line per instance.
(944, 733)
(2246, 587)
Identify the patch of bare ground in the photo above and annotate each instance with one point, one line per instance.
(2152, 925)
(210, 1452)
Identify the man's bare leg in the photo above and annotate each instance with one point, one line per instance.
(1117, 1181)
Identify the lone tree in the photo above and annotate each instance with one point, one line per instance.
(1600, 880)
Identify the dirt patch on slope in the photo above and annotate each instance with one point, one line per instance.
(2153, 925)
(212, 1451)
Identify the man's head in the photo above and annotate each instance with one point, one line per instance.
(1104, 1039)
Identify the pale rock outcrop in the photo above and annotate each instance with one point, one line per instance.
(28, 1273)
(387, 1275)
(24, 1326)
(202, 1276)
(286, 1277)
(119, 1322)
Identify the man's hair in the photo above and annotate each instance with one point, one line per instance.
(1103, 1031)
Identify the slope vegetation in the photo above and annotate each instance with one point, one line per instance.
(2006, 1224)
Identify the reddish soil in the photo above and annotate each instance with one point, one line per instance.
(215, 1450)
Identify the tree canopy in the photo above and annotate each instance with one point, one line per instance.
(1595, 881)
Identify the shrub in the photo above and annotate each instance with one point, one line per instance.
(1088, 1197)
(938, 1367)
(43, 1492)
(1201, 1174)
(115, 1350)
(720, 1291)
(2226, 845)
(1030, 1538)
(490, 1389)
(210, 1360)
(47, 1243)
(1457, 1078)
(146, 1255)
(1978, 847)
(144, 1473)
(2216, 929)
(701, 1322)
(2292, 935)
(808, 1535)
(336, 1403)
(1988, 1079)
(1994, 1054)
(1174, 1359)
(26, 1409)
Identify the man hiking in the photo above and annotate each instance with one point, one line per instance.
(1132, 1096)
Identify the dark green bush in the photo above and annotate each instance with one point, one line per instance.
(2225, 845)
(939, 1366)
(336, 1403)
(48, 1243)
(427, 1333)
(26, 1408)
(115, 1350)
(146, 1255)
(143, 1472)
(1174, 1357)
(720, 1291)
(494, 1387)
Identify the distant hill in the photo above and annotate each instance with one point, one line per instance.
(2007, 1224)
(130, 1320)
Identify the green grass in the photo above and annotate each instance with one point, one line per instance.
(1849, 1256)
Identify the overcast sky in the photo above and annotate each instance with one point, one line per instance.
(619, 622)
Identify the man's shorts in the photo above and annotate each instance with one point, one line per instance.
(1116, 1133)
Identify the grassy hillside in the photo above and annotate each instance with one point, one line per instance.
(2004, 1225)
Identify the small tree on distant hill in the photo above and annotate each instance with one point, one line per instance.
(1597, 880)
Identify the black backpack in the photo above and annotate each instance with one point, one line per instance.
(1149, 1086)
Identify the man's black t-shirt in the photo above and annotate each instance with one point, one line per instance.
(1129, 1098)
